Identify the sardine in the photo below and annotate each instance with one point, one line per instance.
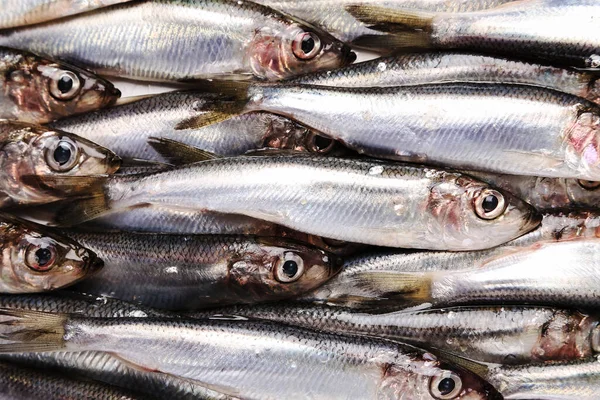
(27, 12)
(258, 360)
(31, 150)
(38, 90)
(165, 40)
(503, 335)
(188, 272)
(557, 31)
(512, 129)
(35, 260)
(436, 67)
(127, 128)
(359, 201)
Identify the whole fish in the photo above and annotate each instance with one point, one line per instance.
(38, 90)
(558, 31)
(503, 335)
(30, 151)
(187, 272)
(332, 16)
(20, 383)
(258, 360)
(359, 201)
(186, 39)
(362, 281)
(35, 260)
(437, 67)
(127, 128)
(26, 12)
(512, 129)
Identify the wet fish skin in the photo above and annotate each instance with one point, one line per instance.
(29, 88)
(29, 151)
(26, 12)
(442, 67)
(310, 194)
(188, 272)
(503, 335)
(35, 260)
(209, 38)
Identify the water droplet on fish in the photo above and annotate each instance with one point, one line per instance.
(171, 270)
(381, 67)
(377, 170)
(594, 61)
(325, 259)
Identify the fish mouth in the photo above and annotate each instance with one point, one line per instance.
(112, 95)
(113, 163)
(95, 264)
(348, 55)
(532, 221)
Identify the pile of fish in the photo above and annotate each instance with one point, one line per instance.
(287, 223)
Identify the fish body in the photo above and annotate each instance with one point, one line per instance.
(38, 90)
(32, 151)
(359, 201)
(207, 38)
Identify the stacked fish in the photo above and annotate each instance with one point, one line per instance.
(290, 224)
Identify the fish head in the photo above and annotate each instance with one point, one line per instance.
(582, 192)
(278, 268)
(472, 215)
(291, 47)
(36, 260)
(582, 144)
(46, 90)
(35, 151)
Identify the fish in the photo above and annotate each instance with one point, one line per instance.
(37, 260)
(27, 12)
(21, 383)
(30, 151)
(177, 272)
(503, 335)
(208, 39)
(509, 129)
(332, 16)
(39, 90)
(560, 32)
(128, 128)
(351, 200)
(365, 281)
(253, 359)
(443, 67)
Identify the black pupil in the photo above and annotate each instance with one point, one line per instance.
(446, 386)
(489, 203)
(43, 257)
(308, 44)
(290, 268)
(322, 143)
(62, 154)
(65, 84)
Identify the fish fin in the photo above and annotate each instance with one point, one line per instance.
(388, 43)
(477, 368)
(31, 331)
(386, 18)
(132, 99)
(268, 151)
(226, 89)
(179, 153)
(409, 286)
(67, 185)
(132, 365)
(82, 210)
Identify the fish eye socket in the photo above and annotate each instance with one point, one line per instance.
(40, 258)
(588, 185)
(62, 155)
(446, 386)
(65, 85)
(489, 204)
(289, 268)
(306, 45)
(320, 144)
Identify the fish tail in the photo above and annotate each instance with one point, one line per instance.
(31, 331)
(415, 287)
(386, 20)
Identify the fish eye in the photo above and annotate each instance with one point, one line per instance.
(289, 268)
(62, 155)
(64, 85)
(588, 185)
(306, 45)
(320, 144)
(446, 386)
(40, 258)
(489, 204)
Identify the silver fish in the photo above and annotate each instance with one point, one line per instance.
(212, 38)
(257, 360)
(359, 201)
(38, 90)
(503, 335)
(558, 31)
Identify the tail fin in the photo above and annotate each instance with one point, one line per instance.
(386, 19)
(27, 331)
(415, 287)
